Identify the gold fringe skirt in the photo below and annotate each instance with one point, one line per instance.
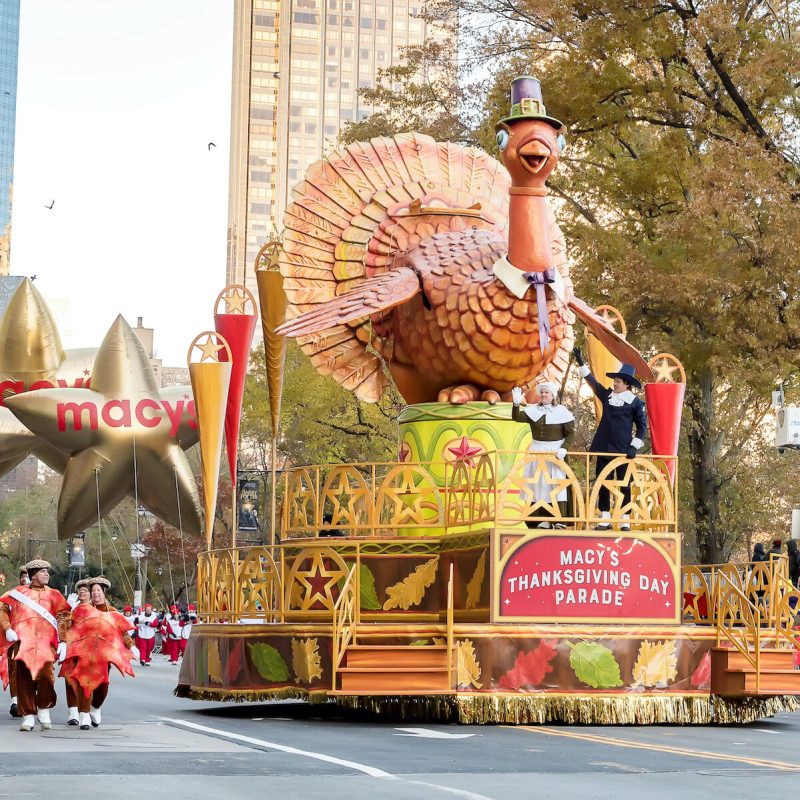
(539, 709)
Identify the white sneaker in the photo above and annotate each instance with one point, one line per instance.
(86, 721)
(43, 715)
(543, 525)
(605, 526)
(28, 721)
(72, 716)
(96, 716)
(625, 525)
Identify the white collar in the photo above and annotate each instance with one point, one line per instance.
(621, 399)
(555, 415)
(514, 279)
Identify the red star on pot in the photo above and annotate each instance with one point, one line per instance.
(464, 451)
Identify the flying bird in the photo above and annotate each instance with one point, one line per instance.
(51, 204)
(210, 145)
(427, 254)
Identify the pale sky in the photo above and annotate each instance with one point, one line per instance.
(117, 102)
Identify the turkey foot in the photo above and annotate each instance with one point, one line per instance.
(467, 393)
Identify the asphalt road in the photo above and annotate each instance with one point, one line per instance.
(154, 745)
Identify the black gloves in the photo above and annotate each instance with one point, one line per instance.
(576, 351)
(632, 451)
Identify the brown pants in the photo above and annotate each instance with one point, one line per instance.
(34, 694)
(77, 697)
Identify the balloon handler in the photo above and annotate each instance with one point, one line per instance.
(552, 431)
(36, 617)
(623, 413)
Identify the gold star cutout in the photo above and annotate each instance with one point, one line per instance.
(236, 298)
(210, 349)
(318, 580)
(667, 369)
(612, 316)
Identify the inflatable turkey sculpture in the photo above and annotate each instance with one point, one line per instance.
(447, 266)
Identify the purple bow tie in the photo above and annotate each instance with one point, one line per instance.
(539, 280)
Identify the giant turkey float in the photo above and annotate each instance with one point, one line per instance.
(455, 583)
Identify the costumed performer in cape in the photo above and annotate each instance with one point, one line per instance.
(36, 617)
(82, 595)
(8, 672)
(552, 431)
(623, 412)
(98, 637)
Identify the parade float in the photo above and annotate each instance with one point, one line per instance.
(444, 585)
(471, 579)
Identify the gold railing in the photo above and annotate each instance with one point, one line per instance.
(494, 488)
(739, 622)
(345, 621)
(303, 580)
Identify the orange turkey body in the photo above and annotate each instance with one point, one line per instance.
(466, 327)
(394, 254)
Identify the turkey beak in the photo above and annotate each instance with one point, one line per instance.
(534, 155)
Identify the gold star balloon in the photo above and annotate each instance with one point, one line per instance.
(121, 436)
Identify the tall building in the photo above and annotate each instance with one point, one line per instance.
(9, 47)
(297, 69)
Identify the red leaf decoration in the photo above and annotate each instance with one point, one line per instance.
(94, 643)
(530, 667)
(234, 663)
(701, 677)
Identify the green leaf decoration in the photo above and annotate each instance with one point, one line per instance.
(269, 662)
(594, 665)
(419, 643)
(369, 596)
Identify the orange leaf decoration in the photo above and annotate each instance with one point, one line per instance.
(37, 637)
(94, 643)
(530, 667)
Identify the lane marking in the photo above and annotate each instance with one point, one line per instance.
(659, 748)
(373, 772)
(341, 762)
(429, 733)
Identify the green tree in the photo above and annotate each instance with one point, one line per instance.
(321, 422)
(678, 196)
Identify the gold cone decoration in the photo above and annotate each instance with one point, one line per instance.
(273, 313)
(600, 360)
(211, 379)
(30, 347)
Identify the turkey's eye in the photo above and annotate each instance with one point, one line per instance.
(502, 139)
(562, 143)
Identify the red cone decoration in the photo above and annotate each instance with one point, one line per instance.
(236, 325)
(664, 400)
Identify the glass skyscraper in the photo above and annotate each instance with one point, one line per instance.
(297, 69)
(9, 46)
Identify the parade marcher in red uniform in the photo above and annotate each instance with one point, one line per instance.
(171, 633)
(36, 617)
(186, 630)
(146, 625)
(8, 663)
(98, 637)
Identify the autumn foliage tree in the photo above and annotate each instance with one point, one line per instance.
(678, 194)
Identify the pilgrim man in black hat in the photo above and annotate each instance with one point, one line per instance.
(622, 429)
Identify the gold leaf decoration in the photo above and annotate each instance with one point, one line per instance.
(295, 595)
(305, 660)
(440, 641)
(214, 662)
(469, 670)
(656, 664)
(410, 591)
(476, 583)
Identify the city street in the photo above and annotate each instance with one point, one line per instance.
(152, 744)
